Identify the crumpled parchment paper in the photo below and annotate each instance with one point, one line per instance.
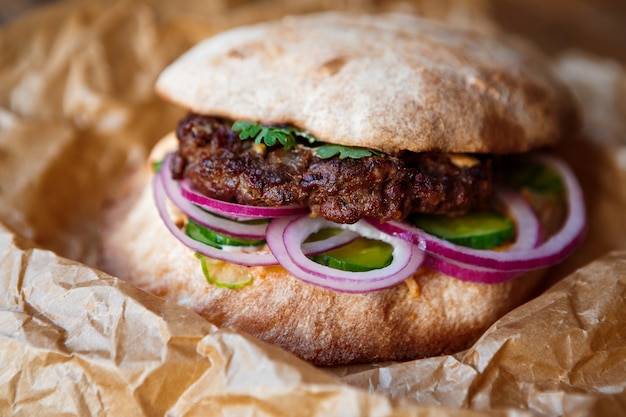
(77, 111)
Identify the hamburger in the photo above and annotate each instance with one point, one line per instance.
(352, 188)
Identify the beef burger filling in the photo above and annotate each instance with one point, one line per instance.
(222, 166)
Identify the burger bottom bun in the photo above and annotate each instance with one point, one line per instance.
(429, 314)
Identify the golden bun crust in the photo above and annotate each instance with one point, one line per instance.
(429, 314)
(390, 82)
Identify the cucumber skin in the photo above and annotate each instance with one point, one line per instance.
(222, 284)
(489, 236)
(216, 239)
(335, 259)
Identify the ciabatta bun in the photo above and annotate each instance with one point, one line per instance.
(389, 82)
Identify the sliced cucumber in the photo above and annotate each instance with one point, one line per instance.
(360, 255)
(217, 239)
(224, 274)
(535, 177)
(323, 234)
(479, 230)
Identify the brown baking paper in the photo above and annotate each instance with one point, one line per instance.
(77, 112)
(75, 341)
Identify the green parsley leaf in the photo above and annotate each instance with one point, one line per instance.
(270, 135)
(329, 150)
(246, 129)
(286, 136)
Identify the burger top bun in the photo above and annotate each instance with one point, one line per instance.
(390, 82)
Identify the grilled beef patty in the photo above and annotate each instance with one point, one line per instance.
(222, 166)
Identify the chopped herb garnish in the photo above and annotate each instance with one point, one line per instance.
(328, 151)
(287, 136)
(270, 135)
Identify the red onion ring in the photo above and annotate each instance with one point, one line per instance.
(237, 211)
(527, 225)
(239, 257)
(467, 272)
(342, 238)
(285, 237)
(552, 251)
(528, 236)
(204, 218)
